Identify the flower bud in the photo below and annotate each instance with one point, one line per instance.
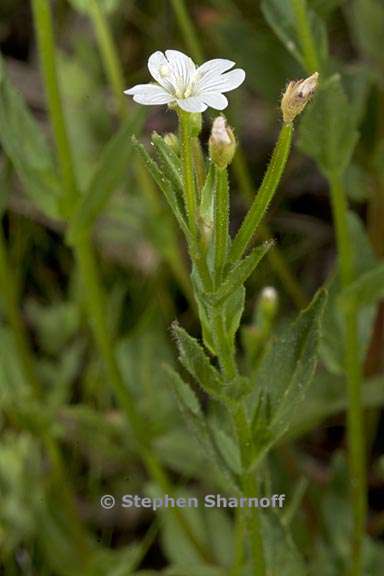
(222, 143)
(268, 303)
(172, 141)
(296, 96)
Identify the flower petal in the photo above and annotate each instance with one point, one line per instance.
(161, 71)
(182, 66)
(214, 67)
(215, 100)
(223, 82)
(149, 94)
(192, 104)
(155, 62)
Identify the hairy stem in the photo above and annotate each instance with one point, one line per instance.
(109, 54)
(225, 352)
(188, 175)
(221, 223)
(45, 39)
(249, 488)
(353, 369)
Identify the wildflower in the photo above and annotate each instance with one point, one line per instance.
(296, 96)
(222, 143)
(179, 81)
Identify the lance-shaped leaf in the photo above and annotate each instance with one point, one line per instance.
(164, 184)
(25, 145)
(195, 360)
(367, 289)
(328, 129)
(282, 18)
(288, 366)
(109, 174)
(282, 556)
(227, 447)
(240, 272)
(169, 161)
(191, 410)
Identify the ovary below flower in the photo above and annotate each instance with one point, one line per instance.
(180, 81)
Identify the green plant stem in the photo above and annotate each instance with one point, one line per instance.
(304, 32)
(111, 60)
(198, 163)
(9, 294)
(188, 176)
(353, 369)
(45, 39)
(238, 544)
(249, 488)
(188, 30)
(221, 223)
(225, 352)
(264, 195)
(95, 304)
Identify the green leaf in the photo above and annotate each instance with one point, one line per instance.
(191, 410)
(232, 312)
(169, 161)
(367, 289)
(357, 183)
(288, 366)
(194, 359)
(240, 273)
(327, 131)
(282, 19)
(331, 350)
(164, 184)
(367, 22)
(328, 398)
(282, 556)
(109, 174)
(227, 447)
(25, 145)
(185, 395)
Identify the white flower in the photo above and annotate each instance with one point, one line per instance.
(180, 81)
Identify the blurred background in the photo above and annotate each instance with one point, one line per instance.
(145, 274)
